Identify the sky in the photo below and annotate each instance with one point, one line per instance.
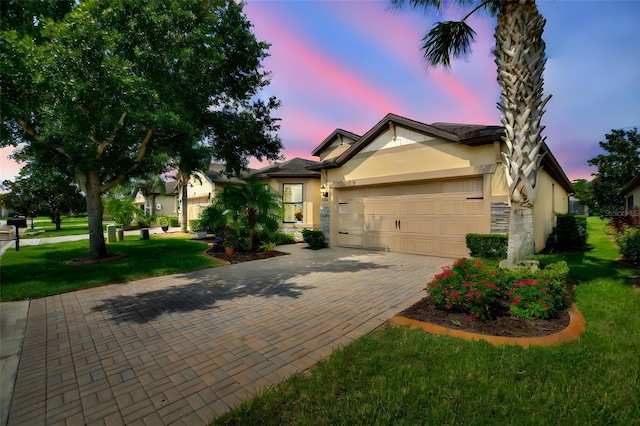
(346, 64)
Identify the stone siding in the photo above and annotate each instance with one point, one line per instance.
(500, 218)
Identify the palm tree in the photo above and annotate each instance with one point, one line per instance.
(254, 203)
(519, 56)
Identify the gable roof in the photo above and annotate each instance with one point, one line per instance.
(296, 167)
(630, 186)
(465, 134)
(215, 173)
(336, 133)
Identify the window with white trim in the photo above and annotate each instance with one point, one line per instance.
(292, 202)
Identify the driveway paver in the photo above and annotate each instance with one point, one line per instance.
(185, 348)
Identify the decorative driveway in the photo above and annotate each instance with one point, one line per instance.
(185, 348)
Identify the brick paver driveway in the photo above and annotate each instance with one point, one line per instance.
(183, 349)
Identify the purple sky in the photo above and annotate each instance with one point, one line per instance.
(346, 64)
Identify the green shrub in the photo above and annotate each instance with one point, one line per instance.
(174, 221)
(488, 246)
(315, 239)
(571, 232)
(629, 243)
(161, 221)
(467, 286)
(284, 238)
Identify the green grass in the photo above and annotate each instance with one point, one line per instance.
(44, 228)
(407, 377)
(38, 271)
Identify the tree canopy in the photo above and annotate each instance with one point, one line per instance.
(110, 89)
(616, 168)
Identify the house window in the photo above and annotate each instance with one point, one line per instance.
(292, 202)
(630, 202)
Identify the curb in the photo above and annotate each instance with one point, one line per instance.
(574, 330)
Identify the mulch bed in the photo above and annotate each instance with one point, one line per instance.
(242, 256)
(503, 324)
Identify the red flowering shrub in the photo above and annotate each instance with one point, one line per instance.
(530, 299)
(467, 286)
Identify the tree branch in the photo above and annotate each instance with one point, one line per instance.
(109, 141)
(141, 152)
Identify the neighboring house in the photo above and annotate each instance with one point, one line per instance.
(300, 190)
(203, 187)
(631, 193)
(411, 187)
(161, 203)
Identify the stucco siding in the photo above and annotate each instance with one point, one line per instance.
(551, 199)
(404, 155)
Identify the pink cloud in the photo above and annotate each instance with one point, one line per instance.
(305, 70)
(9, 168)
(402, 39)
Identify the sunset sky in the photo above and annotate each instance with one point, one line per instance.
(346, 64)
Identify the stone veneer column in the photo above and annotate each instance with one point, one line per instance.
(325, 222)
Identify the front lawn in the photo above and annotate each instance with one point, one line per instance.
(38, 271)
(401, 376)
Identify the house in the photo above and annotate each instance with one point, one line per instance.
(412, 187)
(203, 187)
(631, 193)
(159, 202)
(300, 190)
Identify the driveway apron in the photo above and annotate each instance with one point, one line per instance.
(185, 348)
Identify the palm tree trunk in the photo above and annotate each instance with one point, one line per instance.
(520, 59)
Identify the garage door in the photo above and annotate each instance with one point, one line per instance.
(430, 218)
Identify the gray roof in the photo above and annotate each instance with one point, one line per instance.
(296, 167)
(216, 174)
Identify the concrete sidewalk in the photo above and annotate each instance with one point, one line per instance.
(185, 348)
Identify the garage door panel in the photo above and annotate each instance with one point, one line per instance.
(418, 244)
(451, 228)
(417, 226)
(450, 248)
(381, 241)
(461, 207)
(430, 218)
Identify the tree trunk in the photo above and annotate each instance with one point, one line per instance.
(58, 221)
(521, 238)
(520, 60)
(92, 187)
(183, 206)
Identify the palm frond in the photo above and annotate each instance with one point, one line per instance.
(446, 40)
(425, 4)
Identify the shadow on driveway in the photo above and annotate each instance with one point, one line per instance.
(200, 290)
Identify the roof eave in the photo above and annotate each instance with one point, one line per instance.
(631, 185)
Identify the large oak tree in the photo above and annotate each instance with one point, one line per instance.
(112, 88)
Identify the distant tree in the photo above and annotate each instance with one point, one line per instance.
(520, 59)
(112, 88)
(118, 203)
(41, 190)
(582, 192)
(616, 168)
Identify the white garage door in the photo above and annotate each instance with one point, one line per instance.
(430, 218)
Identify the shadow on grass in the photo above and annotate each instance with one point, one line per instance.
(268, 278)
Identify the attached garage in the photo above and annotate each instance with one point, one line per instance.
(411, 187)
(430, 218)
